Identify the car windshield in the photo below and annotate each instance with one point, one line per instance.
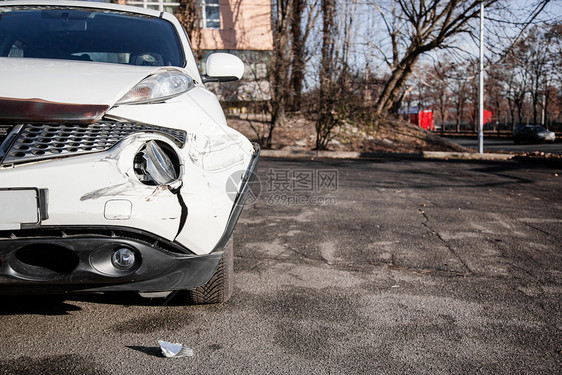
(89, 35)
(530, 129)
(535, 129)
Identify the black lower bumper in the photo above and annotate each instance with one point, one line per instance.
(79, 260)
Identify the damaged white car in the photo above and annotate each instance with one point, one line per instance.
(118, 171)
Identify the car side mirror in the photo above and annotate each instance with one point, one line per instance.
(223, 67)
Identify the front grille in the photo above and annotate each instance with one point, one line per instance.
(45, 141)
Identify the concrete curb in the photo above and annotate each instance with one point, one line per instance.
(465, 155)
(305, 154)
(300, 154)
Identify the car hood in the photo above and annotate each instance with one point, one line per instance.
(62, 90)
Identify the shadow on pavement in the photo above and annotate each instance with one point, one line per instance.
(150, 350)
(63, 304)
(36, 304)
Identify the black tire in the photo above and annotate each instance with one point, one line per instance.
(220, 287)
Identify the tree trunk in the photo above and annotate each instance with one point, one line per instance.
(535, 95)
(298, 51)
(279, 69)
(519, 107)
(325, 123)
(511, 112)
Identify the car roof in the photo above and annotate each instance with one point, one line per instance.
(82, 4)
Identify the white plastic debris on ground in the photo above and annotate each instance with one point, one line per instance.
(171, 350)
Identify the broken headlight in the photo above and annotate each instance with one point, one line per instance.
(157, 163)
(159, 86)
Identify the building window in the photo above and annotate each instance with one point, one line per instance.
(161, 5)
(211, 14)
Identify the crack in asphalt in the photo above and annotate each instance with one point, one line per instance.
(303, 255)
(436, 271)
(541, 230)
(447, 245)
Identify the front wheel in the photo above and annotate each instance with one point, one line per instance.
(219, 288)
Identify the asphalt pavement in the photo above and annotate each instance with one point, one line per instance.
(506, 144)
(342, 267)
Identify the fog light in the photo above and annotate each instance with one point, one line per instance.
(123, 258)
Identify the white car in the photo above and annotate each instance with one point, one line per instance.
(118, 171)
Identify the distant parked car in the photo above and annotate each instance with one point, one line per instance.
(118, 171)
(532, 133)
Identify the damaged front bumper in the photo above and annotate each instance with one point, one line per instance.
(80, 258)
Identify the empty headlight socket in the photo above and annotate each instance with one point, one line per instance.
(157, 163)
(163, 157)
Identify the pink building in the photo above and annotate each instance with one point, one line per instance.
(226, 24)
(237, 25)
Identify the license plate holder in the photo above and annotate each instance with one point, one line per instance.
(19, 207)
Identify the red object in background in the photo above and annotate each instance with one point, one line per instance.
(424, 119)
(487, 116)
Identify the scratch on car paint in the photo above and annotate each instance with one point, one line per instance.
(110, 190)
(156, 191)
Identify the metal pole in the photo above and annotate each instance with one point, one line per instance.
(481, 85)
(543, 112)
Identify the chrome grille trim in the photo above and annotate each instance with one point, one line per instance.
(7, 135)
(46, 141)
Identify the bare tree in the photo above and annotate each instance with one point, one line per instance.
(524, 64)
(415, 28)
(436, 79)
(189, 15)
(298, 43)
(494, 98)
(534, 50)
(304, 14)
(280, 65)
(297, 52)
(553, 76)
(288, 60)
(543, 64)
(457, 83)
(327, 121)
(336, 88)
